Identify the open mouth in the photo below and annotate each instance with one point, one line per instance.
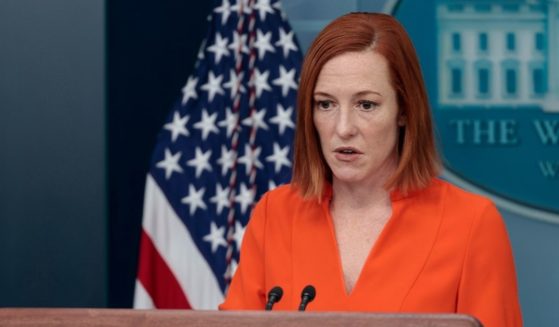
(347, 150)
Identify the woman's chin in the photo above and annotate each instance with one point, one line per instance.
(348, 177)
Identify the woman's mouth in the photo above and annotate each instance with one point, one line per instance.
(347, 154)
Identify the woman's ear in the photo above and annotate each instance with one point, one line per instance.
(402, 120)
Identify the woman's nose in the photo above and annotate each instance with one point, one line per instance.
(345, 124)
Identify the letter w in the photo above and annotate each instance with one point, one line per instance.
(548, 130)
(549, 169)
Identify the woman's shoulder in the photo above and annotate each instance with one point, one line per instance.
(286, 201)
(461, 211)
(286, 195)
(456, 198)
(284, 192)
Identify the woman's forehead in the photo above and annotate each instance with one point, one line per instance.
(364, 71)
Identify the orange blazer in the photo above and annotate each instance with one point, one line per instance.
(443, 251)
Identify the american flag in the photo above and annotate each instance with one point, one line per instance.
(227, 141)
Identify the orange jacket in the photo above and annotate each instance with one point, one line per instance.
(443, 250)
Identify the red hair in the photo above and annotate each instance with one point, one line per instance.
(418, 160)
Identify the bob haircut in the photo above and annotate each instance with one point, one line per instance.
(418, 161)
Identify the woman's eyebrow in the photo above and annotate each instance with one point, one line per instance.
(366, 92)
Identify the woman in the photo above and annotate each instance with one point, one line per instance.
(365, 220)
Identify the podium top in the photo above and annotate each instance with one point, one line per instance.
(23, 317)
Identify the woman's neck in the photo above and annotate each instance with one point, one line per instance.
(359, 196)
(368, 193)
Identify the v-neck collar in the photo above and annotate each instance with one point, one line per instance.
(393, 263)
(370, 255)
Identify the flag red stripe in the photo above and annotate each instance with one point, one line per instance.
(158, 279)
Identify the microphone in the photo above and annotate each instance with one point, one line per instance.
(274, 296)
(307, 295)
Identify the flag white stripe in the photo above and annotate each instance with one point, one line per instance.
(142, 299)
(174, 243)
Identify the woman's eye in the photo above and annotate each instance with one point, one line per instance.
(367, 105)
(324, 104)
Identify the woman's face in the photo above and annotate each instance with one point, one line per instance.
(355, 113)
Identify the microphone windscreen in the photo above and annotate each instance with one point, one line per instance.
(309, 291)
(277, 292)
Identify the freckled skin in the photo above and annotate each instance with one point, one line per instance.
(355, 106)
(355, 113)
